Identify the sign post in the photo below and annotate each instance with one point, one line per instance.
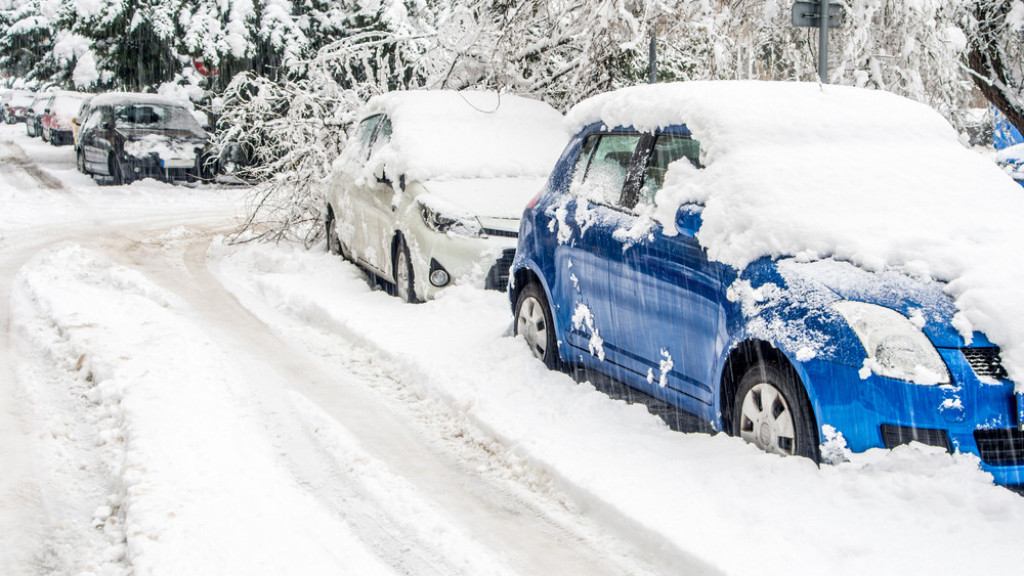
(808, 14)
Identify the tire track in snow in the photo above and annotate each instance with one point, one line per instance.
(526, 506)
(457, 478)
(14, 162)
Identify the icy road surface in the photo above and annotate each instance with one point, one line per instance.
(170, 404)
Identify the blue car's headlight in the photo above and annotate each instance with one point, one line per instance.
(895, 347)
(445, 224)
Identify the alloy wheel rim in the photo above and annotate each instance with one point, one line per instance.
(766, 420)
(532, 325)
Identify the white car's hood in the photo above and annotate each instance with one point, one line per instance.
(485, 198)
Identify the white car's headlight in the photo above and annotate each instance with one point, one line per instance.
(895, 347)
(446, 224)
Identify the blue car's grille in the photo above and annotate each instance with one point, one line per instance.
(1001, 447)
(893, 436)
(985, 362)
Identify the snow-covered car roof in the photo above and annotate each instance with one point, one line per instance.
(468, 134)
(66, 104)
(126, 98)
(20, 98)
(864, 176)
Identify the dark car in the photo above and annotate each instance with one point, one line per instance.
(128, 136)
(34, 113)
(56, 124)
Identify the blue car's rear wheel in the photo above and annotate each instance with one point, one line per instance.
(771, 411)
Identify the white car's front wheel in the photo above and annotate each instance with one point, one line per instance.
(404, 276)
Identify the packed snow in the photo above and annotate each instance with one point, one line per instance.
(816, 171)
(447, 135)
(174, 404)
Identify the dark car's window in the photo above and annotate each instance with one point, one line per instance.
(97, 118)
(667, 149)
(603, 166)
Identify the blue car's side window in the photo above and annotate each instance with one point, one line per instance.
(668, 148)
(603, 166)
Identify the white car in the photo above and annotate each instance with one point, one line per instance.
(432, 184)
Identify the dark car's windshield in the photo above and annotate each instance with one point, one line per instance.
(154, 117)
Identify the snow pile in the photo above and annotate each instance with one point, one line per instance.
(164, 146)
(684, 494)
(814, 171)
(444, 134)
(180, 486)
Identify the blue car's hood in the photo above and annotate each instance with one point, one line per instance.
(892, 289)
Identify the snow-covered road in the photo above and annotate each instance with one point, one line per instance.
(171, 404)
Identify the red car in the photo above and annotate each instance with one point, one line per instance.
(57, 124)
(15, 105)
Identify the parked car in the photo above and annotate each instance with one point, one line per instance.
(129, 136)
(15, 105)
(1011, 159)
(34, 113)
(762, 255)
(56, 123)
(430, 189)
(76, 122)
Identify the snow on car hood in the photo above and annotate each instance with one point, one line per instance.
(486, 197)
(800, 169)
(921, 298)
(180, 146)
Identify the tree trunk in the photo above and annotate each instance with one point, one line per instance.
(985, 59)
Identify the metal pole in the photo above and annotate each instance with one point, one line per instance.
(652, 59)
(823, 13)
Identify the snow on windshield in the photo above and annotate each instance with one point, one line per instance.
(443, 134)
(828, 171)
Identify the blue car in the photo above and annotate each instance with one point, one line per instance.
(642, 259)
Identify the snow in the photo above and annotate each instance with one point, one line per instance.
(496, 197)
(186, 406)
(444, 135)
(799, 169)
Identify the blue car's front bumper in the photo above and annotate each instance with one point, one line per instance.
(968, 415)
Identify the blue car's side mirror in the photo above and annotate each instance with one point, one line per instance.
(688, 219)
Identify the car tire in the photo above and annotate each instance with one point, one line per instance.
(404, 277)
(44, 135)
(533, 321)
(771, 411)
(80, 161)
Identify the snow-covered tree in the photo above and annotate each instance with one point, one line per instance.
(995, 53)
(26, 36)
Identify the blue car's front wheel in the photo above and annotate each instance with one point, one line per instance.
(771, 411)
